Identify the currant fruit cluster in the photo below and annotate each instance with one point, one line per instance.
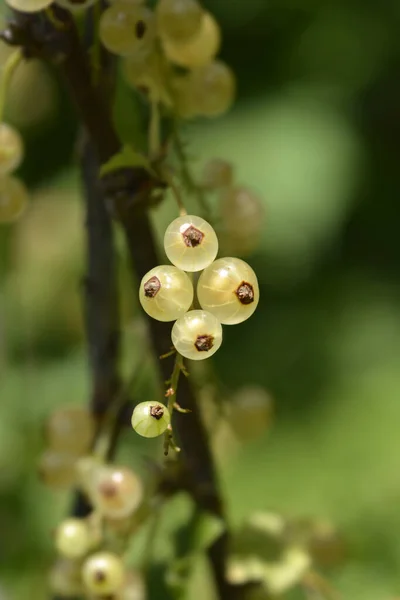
(227, 289)
(13, 193)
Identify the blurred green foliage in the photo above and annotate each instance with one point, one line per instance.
(316, 133)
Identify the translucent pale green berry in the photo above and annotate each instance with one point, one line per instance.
(197, 335)
(150, 419)
(228, 289)
(166, 293)
(72, 538)
(103, 574)
(190, 243)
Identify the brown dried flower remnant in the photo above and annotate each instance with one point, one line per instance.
(152, 287)
(192, 237)
(157, 412)
(204, 343)
(245, 293)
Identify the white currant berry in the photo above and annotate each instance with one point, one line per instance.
(214, 87)
(14, 198)
(127, 28)
(250, 412)
(150, 419)
(11, 149)
(29, 6)
(190, 243)
(217, 173)
(76, 5)
(197, 335)
(228, 289)
(70, 429)
(148, 71)
(65, 578)
(199, 49)
(166, 293)
(116, 492)
(57, 469)
(179, 19)
(72, 538)
(103, 574)
(241, 211)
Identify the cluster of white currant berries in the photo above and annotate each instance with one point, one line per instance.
(13, 193)
(227, 289)
(152, 43)
(115, 493)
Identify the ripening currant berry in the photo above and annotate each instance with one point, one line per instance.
(166, 293)
(116, 492)
(127, 28)
(72, 538)
(14, 198)
(178, 19)
(76, 5)
(150, 419)
(242, 214)
(213, 87)
(217, 174)
(103, 574)
(65, 578)
(29, 6)
(148, 71)
(57, 469)
(228, 289)
(70, 429)
(198, 50)
(11, 149)
(190, 243)
(197, 335)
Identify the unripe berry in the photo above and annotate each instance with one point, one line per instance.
(72, 538)
(179, 19)
(103, 574)
(13, 198)
(57, 469)
(70, 429)
(11, 149)
(217, 173)
(127, 28)
(150, 419)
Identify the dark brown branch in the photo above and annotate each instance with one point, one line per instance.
(128, 193)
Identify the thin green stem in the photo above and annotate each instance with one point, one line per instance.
(172, 404)
(176, 192)
(9, 68)
(154, 129)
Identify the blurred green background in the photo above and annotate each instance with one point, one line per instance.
(316, 133)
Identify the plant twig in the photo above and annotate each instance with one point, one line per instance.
(129, 194)
(8, 71)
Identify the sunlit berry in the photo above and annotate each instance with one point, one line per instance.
(70, 429)
(190, 243)
(179, 19)
(72, 538)
(103, 574)
(197, 335)
(228, 289)
(11, 149)
(57, 469)
(166, 293)
(127, 28)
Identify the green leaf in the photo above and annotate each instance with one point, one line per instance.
(208, 529)
(126, 157)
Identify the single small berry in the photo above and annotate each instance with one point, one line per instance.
(190, 243)
(150, 419)
(217, 174)
(179, 19)
(228, 289)
(128, 29)
(166, 293)
(11, 149)
(116, 492)
(197, 335)
(103, 574)
(72, 538)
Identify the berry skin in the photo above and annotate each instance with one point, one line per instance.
(166, 293)
(150, 419)
(214, 88)
(179, 19)
(116, 492)
(76, 5)
(127, 28)
(103, 574)
(57, 469)
(190, 243)
(11, 149)
(72, 538)
(71, 430)
(65, 578)
(197, 335)
(198, 50)
(229, 290)
(242, 214)
(217, 173)
(29, 6)
(14, 198)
